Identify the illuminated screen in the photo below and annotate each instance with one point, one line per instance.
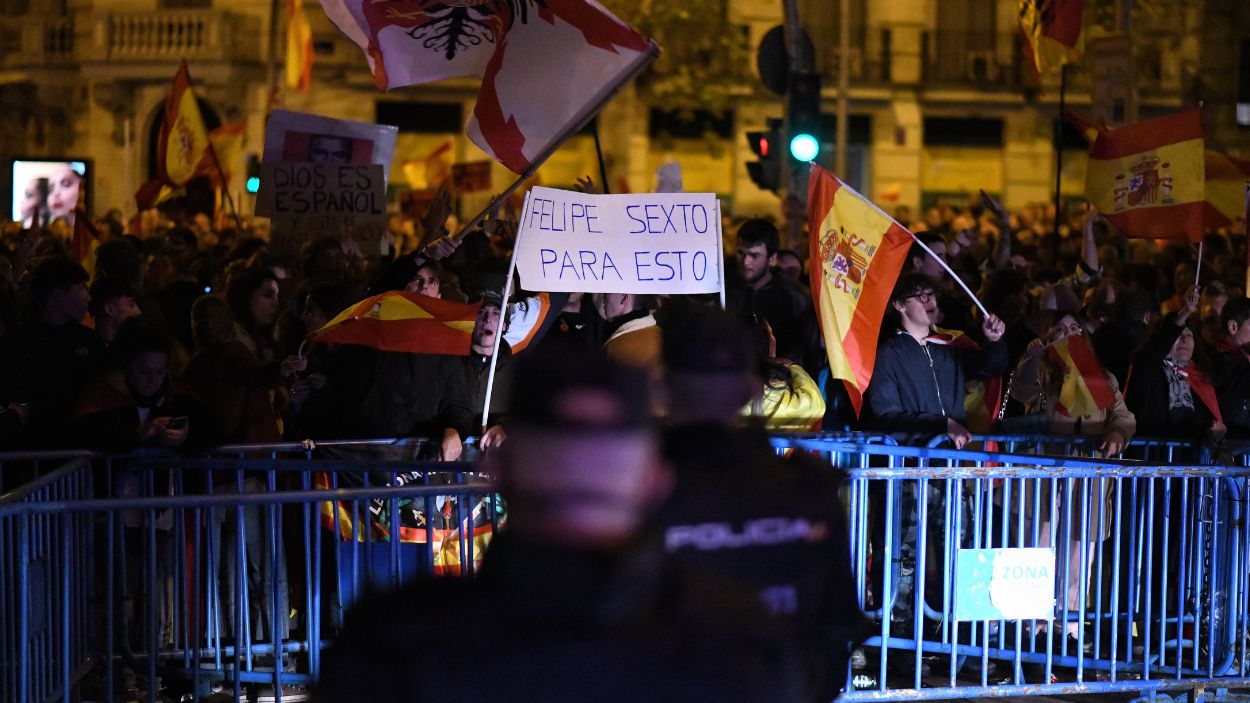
(48, 189)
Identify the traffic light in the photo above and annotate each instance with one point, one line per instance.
(766, 173)
(803, 111)
(253, 174)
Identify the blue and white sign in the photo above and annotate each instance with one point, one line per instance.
(643, 243)
(1005, 584)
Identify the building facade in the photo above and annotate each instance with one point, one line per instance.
(939, 99)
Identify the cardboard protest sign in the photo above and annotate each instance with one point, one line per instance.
(325, 177)
(640, 243)
(310, 200)
(297, 136)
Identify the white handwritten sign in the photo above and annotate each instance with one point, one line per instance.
(645, 243)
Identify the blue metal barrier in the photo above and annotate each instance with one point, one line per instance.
(200, 566)
(1150, 572)
(1142, 449)
(43, 599)
(173, 561)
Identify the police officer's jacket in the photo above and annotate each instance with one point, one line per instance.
(773, 524)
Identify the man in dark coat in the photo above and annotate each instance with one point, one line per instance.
(53, 357)
(785, 304)
(917, 386)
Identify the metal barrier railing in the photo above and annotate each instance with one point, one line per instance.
(43, 606)
(1148, 573)
(221, 570)
(164, 573)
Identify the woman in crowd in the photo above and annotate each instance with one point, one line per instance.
(1170, 389)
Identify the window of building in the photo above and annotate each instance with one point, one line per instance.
(421, 117)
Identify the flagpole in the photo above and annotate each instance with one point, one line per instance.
(944, 265)
(720, 260)
(1198, 268)
(575, 124)
(603, 167)
(212, 151)
(503, 318)
(1245, 226)
(1063, 89)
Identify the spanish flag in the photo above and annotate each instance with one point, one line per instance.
(404, 322)
(1147, 178)
(227, 143)
(1226, 178)
(299, 52)
(1085, 389)
(183, 141)
(1052, 32)
(857, 252)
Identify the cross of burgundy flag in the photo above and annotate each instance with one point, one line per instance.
(545, 65)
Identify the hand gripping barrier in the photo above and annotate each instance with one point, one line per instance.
(1147, 592)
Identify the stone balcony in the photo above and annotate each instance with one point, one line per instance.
(130, 44)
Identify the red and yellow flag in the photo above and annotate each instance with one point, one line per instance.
(982, 398)
(183, 141)
(404, 322)
(227, 142)
(857, 252)
(1085, 388)
(1226, 178)
(299, 51)
(1052, 32)
(1147, 178)
(85, 234)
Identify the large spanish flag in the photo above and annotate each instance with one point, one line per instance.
(1147, 178)
(183, 141)
(404, 322)
(1052, 32)
(857, 252)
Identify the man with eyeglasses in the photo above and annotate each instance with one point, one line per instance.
(917, 389)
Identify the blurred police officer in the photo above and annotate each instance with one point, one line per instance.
(566, 607)
(771, 523)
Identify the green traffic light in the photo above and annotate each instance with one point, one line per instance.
(804, 147)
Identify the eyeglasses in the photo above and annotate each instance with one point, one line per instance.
(925, 296)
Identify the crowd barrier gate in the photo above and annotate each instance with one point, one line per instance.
(1150, 572)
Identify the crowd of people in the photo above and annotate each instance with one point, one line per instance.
(193, 336)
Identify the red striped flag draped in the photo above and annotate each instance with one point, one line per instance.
(404, 322)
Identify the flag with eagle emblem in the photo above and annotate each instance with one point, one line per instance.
(544, 64)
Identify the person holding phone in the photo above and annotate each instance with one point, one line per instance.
(135, 405)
